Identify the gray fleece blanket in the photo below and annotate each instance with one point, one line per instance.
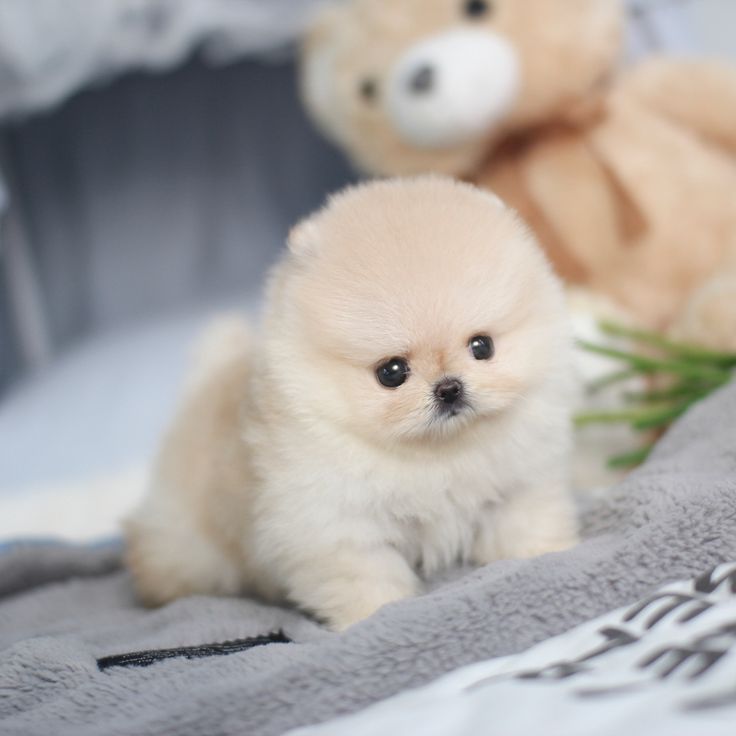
(66, 615)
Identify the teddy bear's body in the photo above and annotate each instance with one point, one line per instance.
(630, 199)
(628, 178)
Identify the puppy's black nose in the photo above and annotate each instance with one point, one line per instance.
(449, 390)
(422, 80)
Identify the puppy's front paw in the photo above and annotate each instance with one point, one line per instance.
(531, 545)
(531, 524)
(344, 586)
(490, 547)
(360, 600)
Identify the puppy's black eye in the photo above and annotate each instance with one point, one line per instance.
(393, 373)
(368, 89)
(482, 347)
(477, 8)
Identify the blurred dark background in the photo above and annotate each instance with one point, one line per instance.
(156, 192)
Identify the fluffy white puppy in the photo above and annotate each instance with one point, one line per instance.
(405, 406)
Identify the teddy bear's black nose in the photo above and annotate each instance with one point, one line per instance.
(422, 80)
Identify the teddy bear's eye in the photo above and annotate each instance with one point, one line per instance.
(368, 89)
(477, 8)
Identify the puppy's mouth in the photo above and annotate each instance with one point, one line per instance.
(445, 412)
(446, 421)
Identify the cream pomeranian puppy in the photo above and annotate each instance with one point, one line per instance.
(404, 407)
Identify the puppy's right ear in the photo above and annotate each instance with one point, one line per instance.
(304, 237)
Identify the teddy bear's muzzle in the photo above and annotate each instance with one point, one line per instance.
(453, 87)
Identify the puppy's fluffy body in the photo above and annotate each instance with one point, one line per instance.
(292, 473)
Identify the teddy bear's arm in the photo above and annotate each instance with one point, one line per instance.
(709, 317)
(699, 94)
(574, 193)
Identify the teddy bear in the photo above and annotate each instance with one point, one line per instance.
(626, 175)
(709, 317)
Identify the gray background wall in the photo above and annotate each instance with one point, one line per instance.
(156, 192)
(162, 189)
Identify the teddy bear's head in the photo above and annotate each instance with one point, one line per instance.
(429, 85)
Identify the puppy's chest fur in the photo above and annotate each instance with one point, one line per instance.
(426, 506)
(434, 524)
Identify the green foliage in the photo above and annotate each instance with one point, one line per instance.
(684, 374)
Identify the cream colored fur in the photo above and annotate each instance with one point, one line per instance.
(292, 474)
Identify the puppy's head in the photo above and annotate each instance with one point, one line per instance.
(411, 310)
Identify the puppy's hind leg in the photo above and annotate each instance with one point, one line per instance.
(170, 558)
(183, 539)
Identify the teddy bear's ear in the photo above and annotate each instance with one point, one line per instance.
(323, 22)
(316, 65)
(304, 236)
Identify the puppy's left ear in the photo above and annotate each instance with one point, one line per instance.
(304, 237)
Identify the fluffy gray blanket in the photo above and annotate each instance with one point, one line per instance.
(67, 614)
